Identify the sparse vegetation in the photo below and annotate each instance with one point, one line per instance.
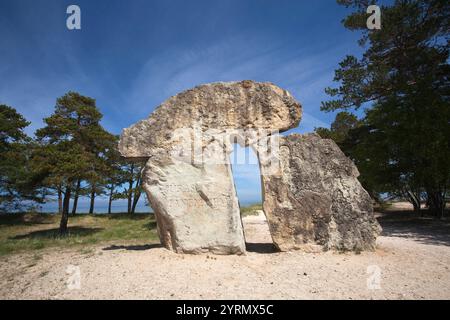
(251, 210)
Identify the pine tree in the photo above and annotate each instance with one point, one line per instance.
(402, 81)
(115, 176)
(67, 148)
(15, 145)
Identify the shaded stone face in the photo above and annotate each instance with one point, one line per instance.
(316, 198)
(188, 179)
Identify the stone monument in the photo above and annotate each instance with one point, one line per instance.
(311, 195)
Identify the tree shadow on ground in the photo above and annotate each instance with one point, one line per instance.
(54, 233)
(261, 247)
(251, 247)
(406, 224)
(129, 216)
(24, 219)
(151, 225)
(134, 247)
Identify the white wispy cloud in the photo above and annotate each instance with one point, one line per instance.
(166, 74)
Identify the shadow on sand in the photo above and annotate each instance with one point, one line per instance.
(134, 247)
(251, 247)
(54, 233)
(406, 224)
(261, 247)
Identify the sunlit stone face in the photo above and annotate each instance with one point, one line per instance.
(189, 183)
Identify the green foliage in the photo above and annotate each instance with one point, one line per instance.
(120, 172)
(251, 210)
(72, 156)
(72, 147)
(131, 174)
(404, 57)
(340, 128)
(402, 79)
(11, 127)
(69, 139)
(14, 168)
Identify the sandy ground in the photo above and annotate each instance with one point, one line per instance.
(411, 262)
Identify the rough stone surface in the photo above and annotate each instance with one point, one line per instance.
(196, 208)
(187, 141)
(312, 197)
(220, 106)
(316, 198)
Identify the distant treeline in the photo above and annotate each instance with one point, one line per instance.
(70, 157)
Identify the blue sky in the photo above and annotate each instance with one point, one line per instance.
(132, 55)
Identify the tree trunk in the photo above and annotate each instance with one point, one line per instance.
(91, 207)
(416, 207)
(111, 193)
(415, 200)
(75, 198)
(135, 202)
(436, 203)
(130, 188)
(65, 213)
(440, 204)
(137, 195)
(60, 204)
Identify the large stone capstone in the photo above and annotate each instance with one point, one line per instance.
(311, 194)
(212, 109)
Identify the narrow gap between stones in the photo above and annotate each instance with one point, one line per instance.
(247, 182)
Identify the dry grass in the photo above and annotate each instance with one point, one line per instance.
(251, 210)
